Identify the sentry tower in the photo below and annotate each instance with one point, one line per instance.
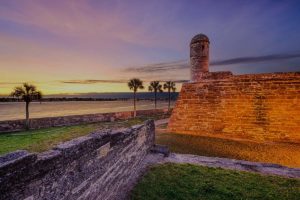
(199, 56)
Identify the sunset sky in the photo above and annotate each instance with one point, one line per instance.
(80, 46)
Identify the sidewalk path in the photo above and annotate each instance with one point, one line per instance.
(240, 165)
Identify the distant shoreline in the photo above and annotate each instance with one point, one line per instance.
(83, 99)
(120, 96)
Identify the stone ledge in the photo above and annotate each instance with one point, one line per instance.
(225, 76)
(12, 156)
(87, 166)
(71, 148)
(241, 165)
(14, 160)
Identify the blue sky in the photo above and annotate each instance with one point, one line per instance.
(61, 45)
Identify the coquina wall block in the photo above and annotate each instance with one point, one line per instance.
(262, 107)
(98, 166)
(256, 106)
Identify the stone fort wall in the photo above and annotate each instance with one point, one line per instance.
(98, 166)
(263, 107)
(46, 122)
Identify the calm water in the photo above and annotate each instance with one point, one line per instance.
(10, 111)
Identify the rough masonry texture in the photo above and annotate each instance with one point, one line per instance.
(199, 55)
(254, 106)
(36, 123)
(97, 166)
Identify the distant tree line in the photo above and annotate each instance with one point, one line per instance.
(28, 93)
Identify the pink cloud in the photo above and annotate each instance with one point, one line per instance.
(80, 20)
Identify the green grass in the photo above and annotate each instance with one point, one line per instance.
(191, 182)
(44, 139)
(280, 153)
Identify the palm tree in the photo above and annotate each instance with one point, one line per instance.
(27, 93)
(170, 85)
(155, 87)
(135, 84)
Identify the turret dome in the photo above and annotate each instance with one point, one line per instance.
(199, 37)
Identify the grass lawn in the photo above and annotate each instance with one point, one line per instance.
(280, 153)
(191, 182)
(44, 139)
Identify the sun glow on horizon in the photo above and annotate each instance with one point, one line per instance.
(115, 41)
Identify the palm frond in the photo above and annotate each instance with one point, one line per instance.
(156, 86)
(27, 92)
(135, 84)
(170, 85)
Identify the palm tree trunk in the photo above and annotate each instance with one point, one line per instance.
(169, 105)
(27, 116)
(155, 99)
(134, 104)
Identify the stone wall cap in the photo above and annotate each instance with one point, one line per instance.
(15, 158)
(73, 144)
(47, 155)
(12, 156)
(100, 134)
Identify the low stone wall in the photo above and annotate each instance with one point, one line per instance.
(262, 107)
(97, 166)
(37, 123)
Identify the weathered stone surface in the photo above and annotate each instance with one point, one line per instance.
(251, 106)
(262, 107)
(199, 56)
(263, 168)
(12, 156)
(37, 123)
(100, 166)
(213, 75)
